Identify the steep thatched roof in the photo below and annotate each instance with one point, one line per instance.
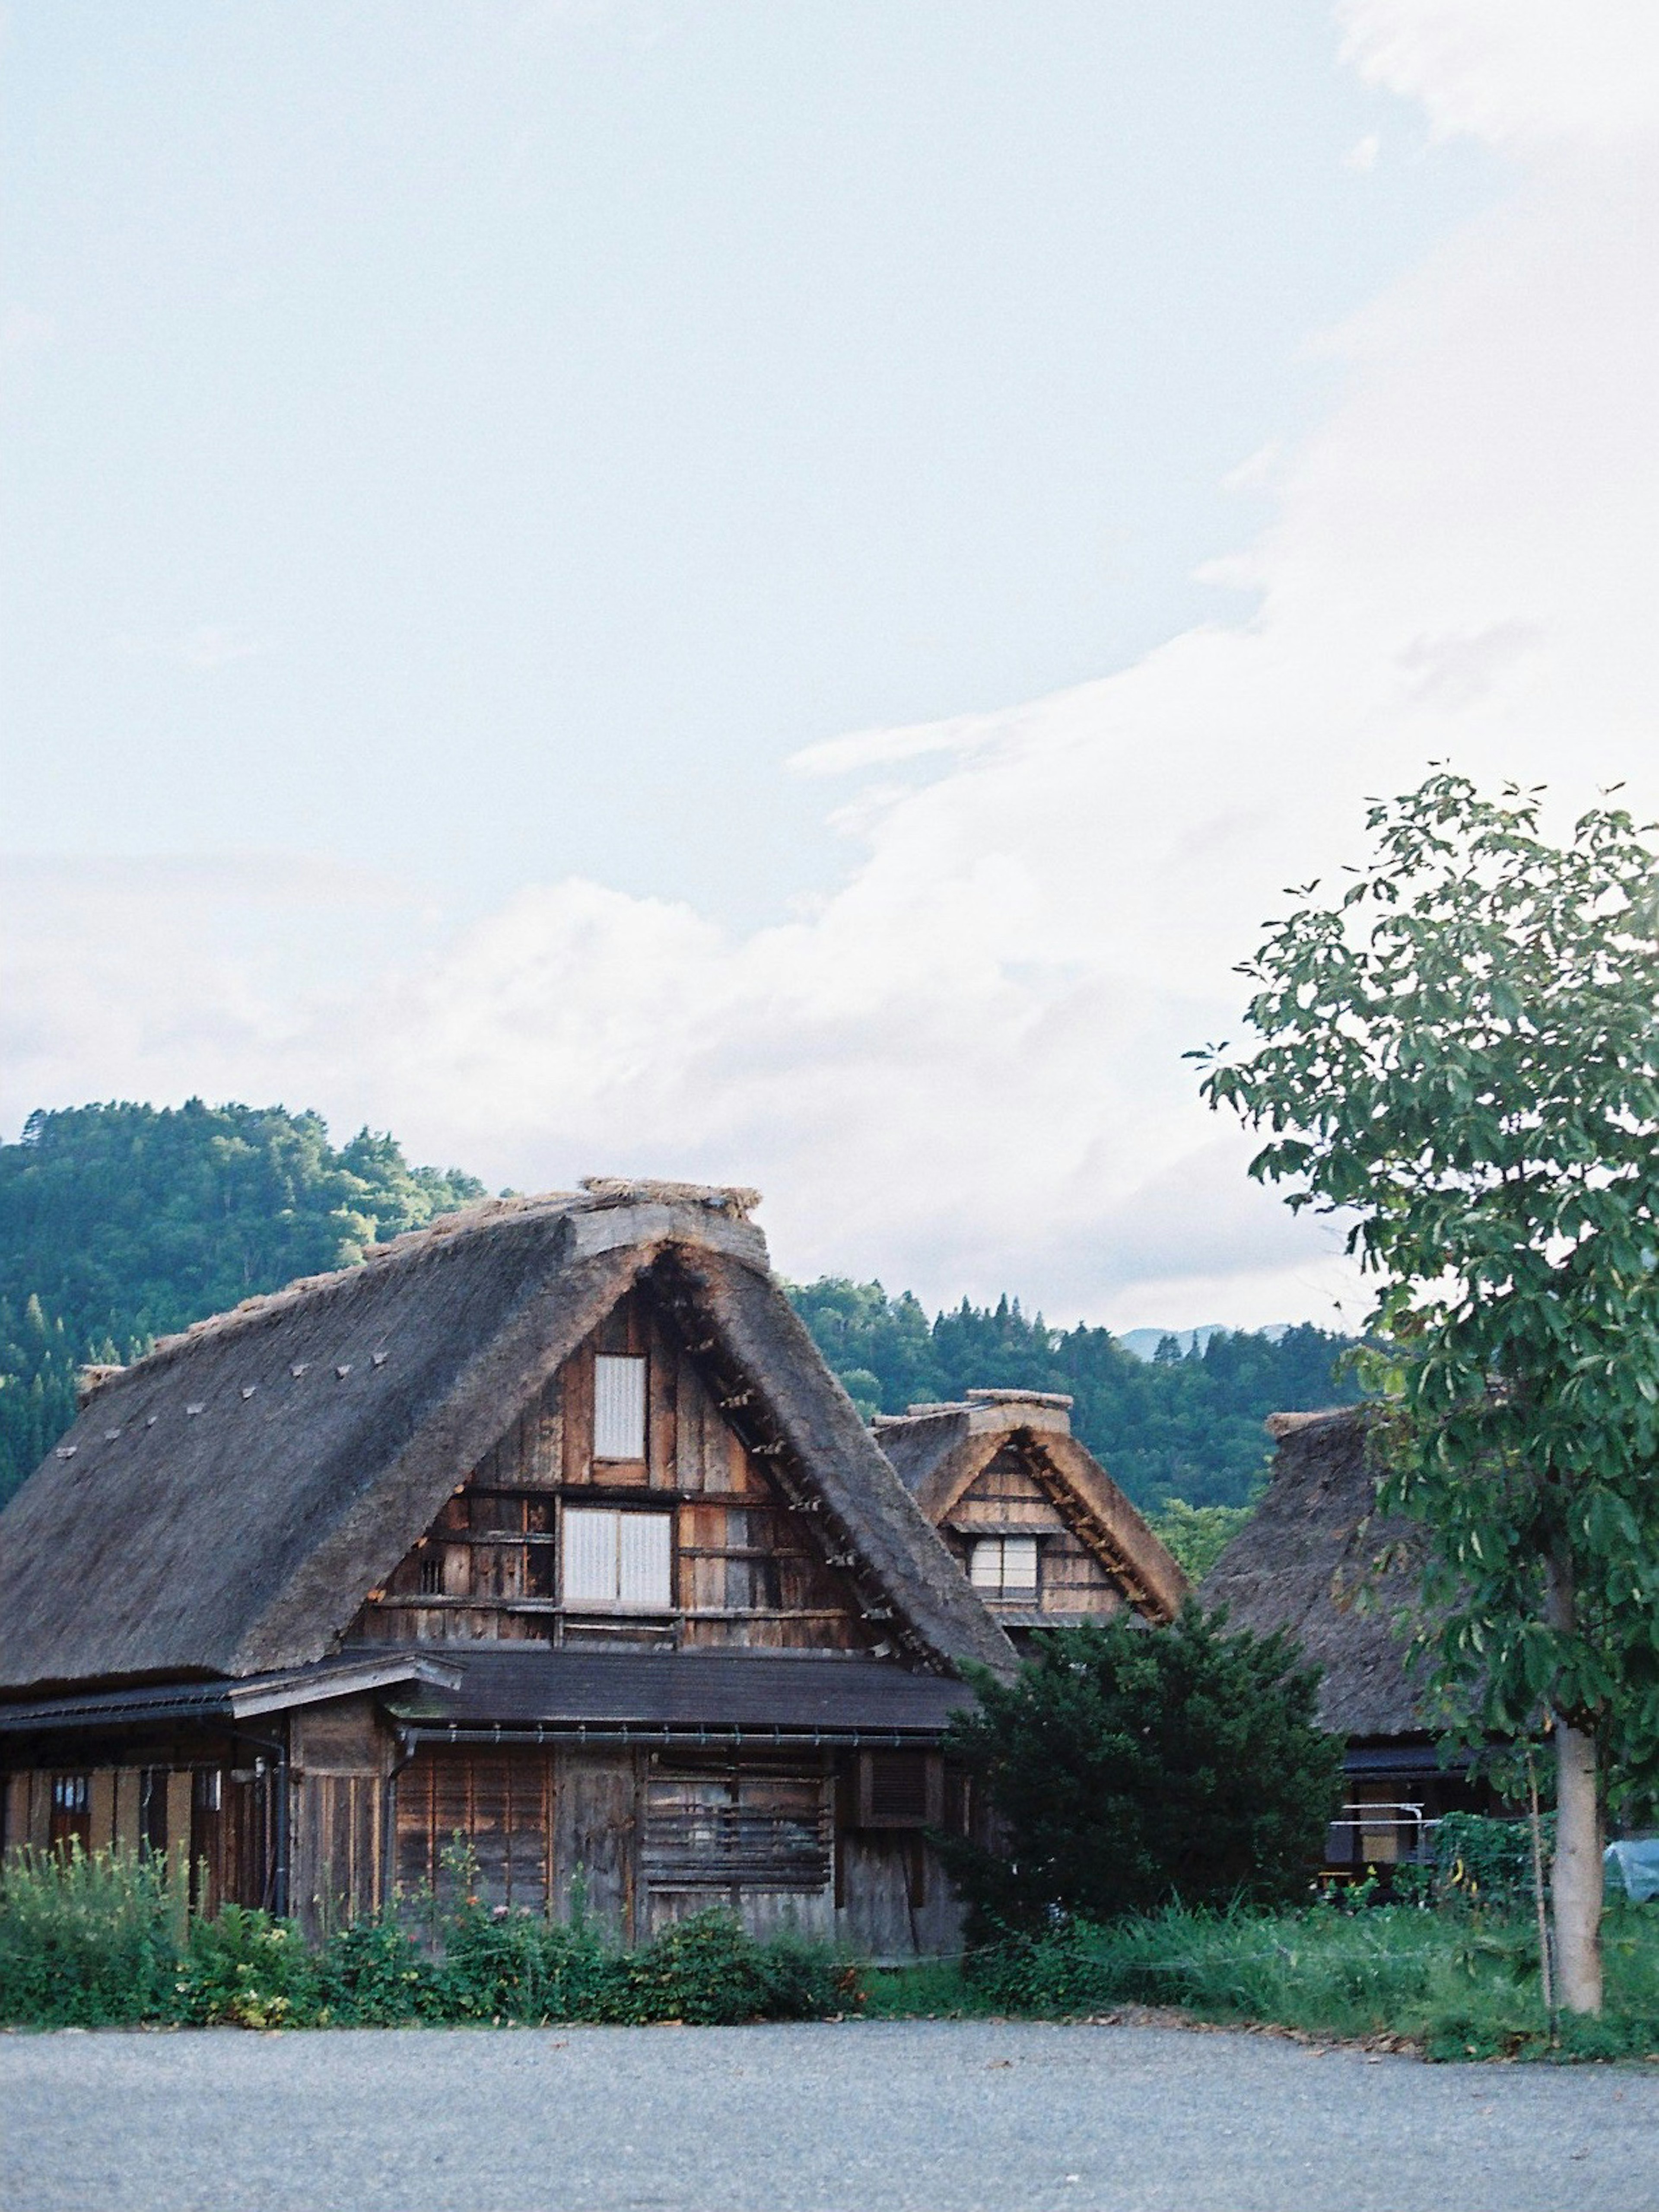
(939, 1450)
(1298, 1562)
(223, 1506)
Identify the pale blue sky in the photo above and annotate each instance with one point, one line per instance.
(484, 440)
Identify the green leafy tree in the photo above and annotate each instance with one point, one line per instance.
(1461, 1054)
(1197, 1534)
(1131, 1770)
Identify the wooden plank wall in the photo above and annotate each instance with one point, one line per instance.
(745, 1572)
(1003, 1499)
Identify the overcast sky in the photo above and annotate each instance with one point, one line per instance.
(773, 592)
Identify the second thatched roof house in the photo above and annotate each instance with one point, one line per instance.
(1044, 1536)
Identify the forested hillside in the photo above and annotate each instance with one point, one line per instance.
(1179, 1426)
(120, 1223)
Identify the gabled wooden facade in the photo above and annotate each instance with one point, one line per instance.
(547, 1530)
(1044, 1536)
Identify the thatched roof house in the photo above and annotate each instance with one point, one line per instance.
(553, 1473)
(1316, 1558)
(1042, 1533)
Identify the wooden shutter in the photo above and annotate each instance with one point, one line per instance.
(900, 1789)
(500, 1805)
(644, 1577)
(618, 1407)
(590, 1555)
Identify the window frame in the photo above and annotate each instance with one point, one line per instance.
(619, 1602)
(635, 1368)
(1001, 1592)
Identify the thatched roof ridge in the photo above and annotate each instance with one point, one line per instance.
(938, 1451)
(598, 1194)
(222, 1507)
(1298, 1562)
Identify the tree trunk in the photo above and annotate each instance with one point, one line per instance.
(1577, 1877)
(1577, 1881)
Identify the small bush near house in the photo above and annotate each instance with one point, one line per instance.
(1133, 1771)
(107, 1940)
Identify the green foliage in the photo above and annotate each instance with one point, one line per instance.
(243, 1969)
(1461, 1053)
(120, 1223)
(1198, 1535)
(37, 1388)
(1487, 1863)
(1185, 1426)
(88, 1941)
(109, 1941)
(1394, 1972)
(1130, 1769)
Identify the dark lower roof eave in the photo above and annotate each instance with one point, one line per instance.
(681, 1735)
(235, 1699)
(1406, 1755)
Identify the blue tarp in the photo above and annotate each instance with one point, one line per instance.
(1637, 1865)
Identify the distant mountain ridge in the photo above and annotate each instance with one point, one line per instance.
(1145, 1342)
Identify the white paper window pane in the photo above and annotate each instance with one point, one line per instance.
(1019, 1566)
(590, 1556)
(645, 1561)
(618, 1408)
(984, 1567)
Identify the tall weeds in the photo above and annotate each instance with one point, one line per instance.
(109, 1941)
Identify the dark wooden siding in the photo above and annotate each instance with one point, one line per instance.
(746, 1568)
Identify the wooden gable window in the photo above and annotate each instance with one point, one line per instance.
(618, 1407)
(618, 1559)
(1004, 1567)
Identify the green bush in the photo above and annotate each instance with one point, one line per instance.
(89, 1941)
(1485, 1862)
(1132, 1770)
(243, 1969)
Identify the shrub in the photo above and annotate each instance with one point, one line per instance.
(371, 1973)
(89, 1941)
(1130, 1771)
(1486, 1862)
(243, 1969)
(107, 1940)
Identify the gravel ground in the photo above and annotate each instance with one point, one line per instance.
(874, 2117)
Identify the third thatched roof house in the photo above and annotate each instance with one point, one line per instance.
(1308, 1560)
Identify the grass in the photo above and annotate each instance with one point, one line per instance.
(109, 1941)
(1452, 1984)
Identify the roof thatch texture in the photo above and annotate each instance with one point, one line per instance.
(1306, 1554)
(939, 1450)
(223, 1506)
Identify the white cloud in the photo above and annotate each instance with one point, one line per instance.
(1364, 153)
(962, 1069)
(1514, 72)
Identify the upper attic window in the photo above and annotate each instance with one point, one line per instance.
(1004, 1567)
(618, 1408)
